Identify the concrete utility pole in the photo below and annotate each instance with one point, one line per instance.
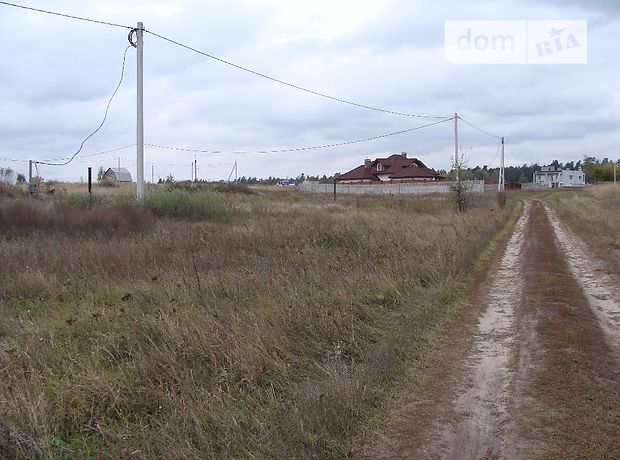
(615, 164)
(456, 144)
(152, 174)
(233, 170)
(501, 186)
(30, 179)
(140, 112)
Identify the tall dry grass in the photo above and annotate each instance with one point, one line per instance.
(24, 217)
(269, 335)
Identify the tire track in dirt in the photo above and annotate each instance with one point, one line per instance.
(600, 287)
(570, 400)
(529, 369)
(484, 427)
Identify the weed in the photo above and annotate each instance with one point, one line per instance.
(269, 335)
(190, 206)
(21, 217)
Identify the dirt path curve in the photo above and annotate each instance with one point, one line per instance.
(531, 368)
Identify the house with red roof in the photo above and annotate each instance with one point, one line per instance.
(396, 168)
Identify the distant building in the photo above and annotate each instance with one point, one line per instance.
(7, 176)
(554, 177)
(117, 175)
(393, 169)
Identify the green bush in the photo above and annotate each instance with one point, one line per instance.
(89, 201)
(191, 206)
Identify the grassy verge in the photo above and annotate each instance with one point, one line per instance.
(272, 334)
(430, 358)
(594, 214)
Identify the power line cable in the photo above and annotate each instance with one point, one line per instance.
(69, 16)
(14, 160)
(479, 129)
(78, 156)
(291, 85)
(105, 116)
(95, 154)
(298, 149)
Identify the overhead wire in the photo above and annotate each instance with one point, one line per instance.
(297, 149)
(239, 67)
(105, 116)
(69, 16)
(95, 154)
(14, 160)
(479, 129)
(291, 85)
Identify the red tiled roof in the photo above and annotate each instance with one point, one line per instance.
(414, 172)
(361, 172)
(397, 166)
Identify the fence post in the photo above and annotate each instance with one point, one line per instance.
(90, 180)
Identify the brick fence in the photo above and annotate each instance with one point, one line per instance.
(411, 188)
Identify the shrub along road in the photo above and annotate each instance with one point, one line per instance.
(532, 369)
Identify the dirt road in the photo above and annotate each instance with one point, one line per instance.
(531, 370)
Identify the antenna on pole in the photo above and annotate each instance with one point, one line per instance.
(140, 112)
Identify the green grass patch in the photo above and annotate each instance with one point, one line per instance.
(190, 206)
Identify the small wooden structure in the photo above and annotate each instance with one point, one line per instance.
(117, 175)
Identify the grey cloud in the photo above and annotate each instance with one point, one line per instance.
(54, 85)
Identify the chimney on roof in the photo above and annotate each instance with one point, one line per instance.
(367, 163)
(404, 154)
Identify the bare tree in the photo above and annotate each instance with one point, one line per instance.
(459, 187)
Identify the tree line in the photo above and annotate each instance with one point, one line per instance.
(596, 170)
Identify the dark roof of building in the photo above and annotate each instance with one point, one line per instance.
(396, 166)
(361, 172)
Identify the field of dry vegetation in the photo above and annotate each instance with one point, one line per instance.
(264, 324)
(594, 213)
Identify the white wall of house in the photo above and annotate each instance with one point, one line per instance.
(570, 178)
(564, 178)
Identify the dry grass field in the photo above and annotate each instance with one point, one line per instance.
(594, 214)
(268, 324)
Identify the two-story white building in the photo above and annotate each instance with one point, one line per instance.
(554, 177)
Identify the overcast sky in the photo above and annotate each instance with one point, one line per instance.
(56, 76)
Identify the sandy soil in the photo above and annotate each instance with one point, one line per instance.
(482, 406)
(510, 381)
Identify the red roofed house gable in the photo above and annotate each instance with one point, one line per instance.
(395, 168)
